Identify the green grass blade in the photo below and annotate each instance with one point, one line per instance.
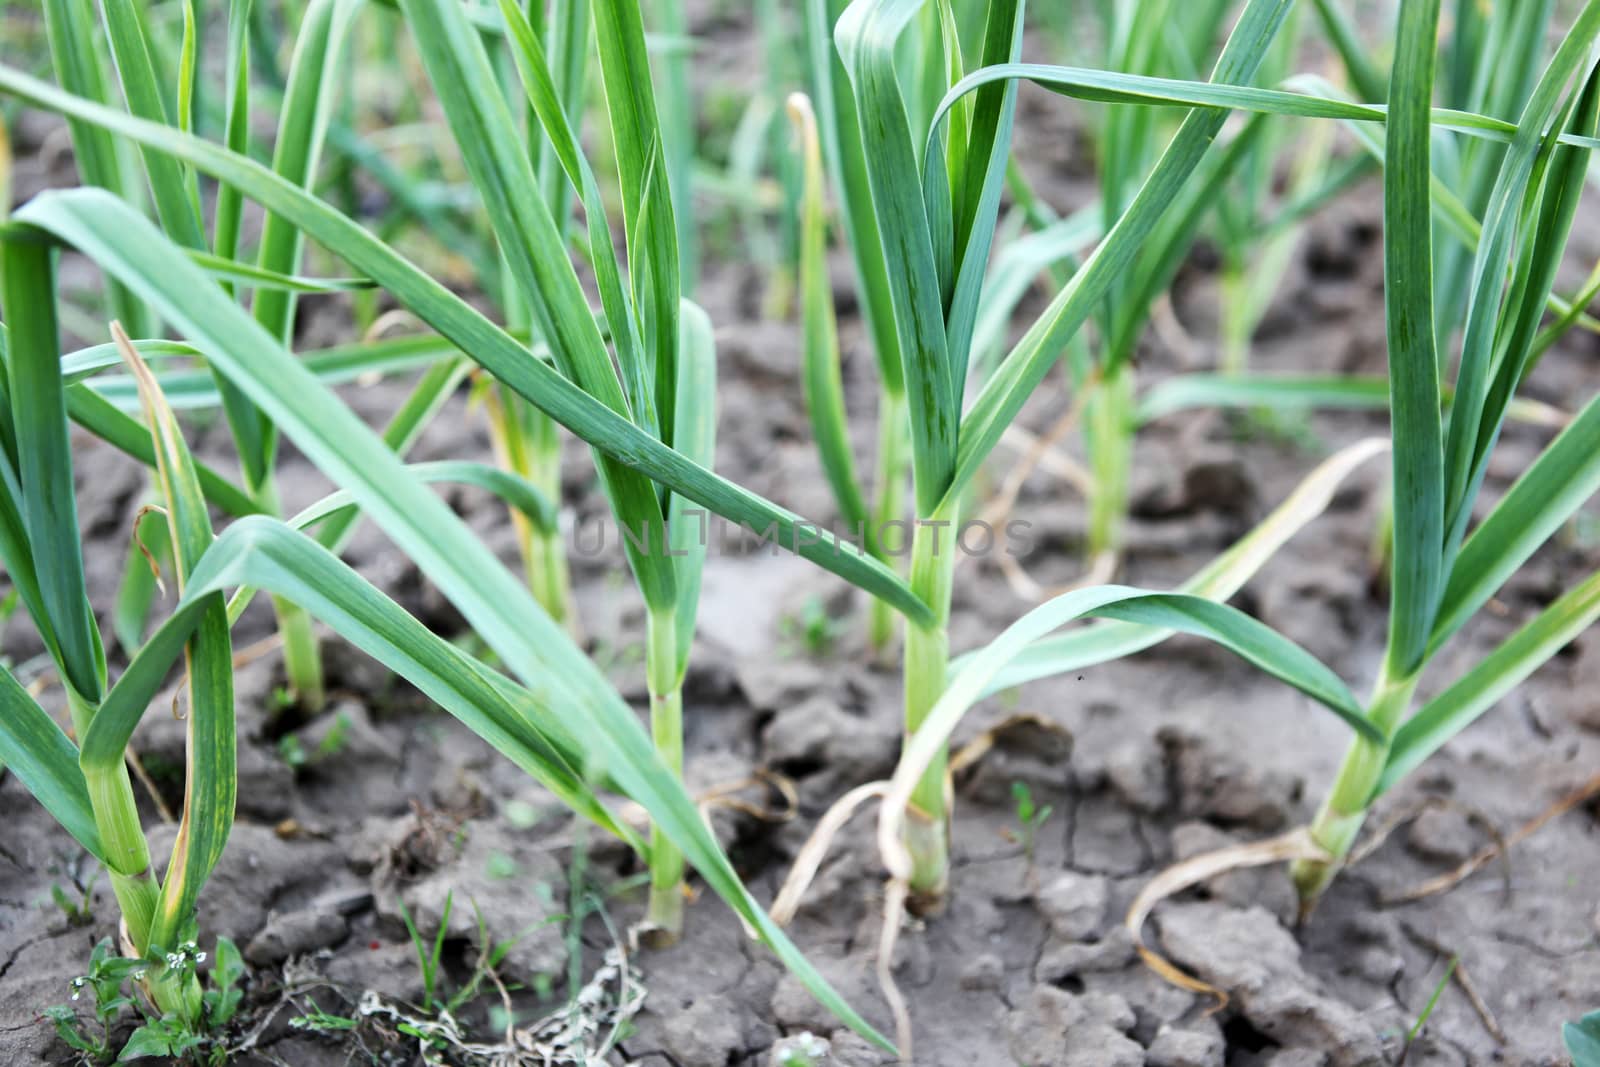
(148, 98)
(1229, 627)
(1468, 416)
(405, 426)
(136, 593)
(1497, 674)
(305, 112)
(193, 389)
(34, 749)
(647, 193)
(488, 345)
(1418, 457)
(1185, 392)
(867, 35)
(539, 83)
(236, 133)
(1582, 1039)
(16, 550)
(1557, 194)
(1558, 483)
(976, 195)
(1364, 76)
(513, 489)
(677, 127)
(1059, 243)
(44, 460)
(211, 777)
(839, 125)
(264, 279)
(188, 61)
(76, 59)
(1168, 247)
(819, 336)
(688, 528)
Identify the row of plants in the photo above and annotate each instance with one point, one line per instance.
(906, 131)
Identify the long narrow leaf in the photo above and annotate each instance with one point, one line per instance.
(44, 460)
(210, 774)
(819, 336)
(34, 749)
(1418, 457)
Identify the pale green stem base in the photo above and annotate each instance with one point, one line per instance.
(545, 559)
(1237, 321)
(177, 992)
(127, 854)
(889, 495)
(116, 819)
(543, 551)
(665, 912)
(528, 443)
(927, 659)
(1339, 821)
(302, 657)
(1108, 431)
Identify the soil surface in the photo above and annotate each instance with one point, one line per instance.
(1142, 762)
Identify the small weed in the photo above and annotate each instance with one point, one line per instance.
(157, 1034)
(1030, 817)
(813, 631)
(76, 906)
(804, 1049)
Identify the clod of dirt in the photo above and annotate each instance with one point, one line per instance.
(1061, 960)
(773, 686)
(1217, 482)
(1054, 1028)
(831, 750)
(296, 934)
(1073, 904)
(1249, 953)
(1443, 835)
(390, 969)
(1320, 606)
(1185, 1048)
(1219, 786)
(850, 1049)
(258, 872)
(793, 1008)
(704, 1032)
(985, 971)
(1136, 771)
(1106, 837)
